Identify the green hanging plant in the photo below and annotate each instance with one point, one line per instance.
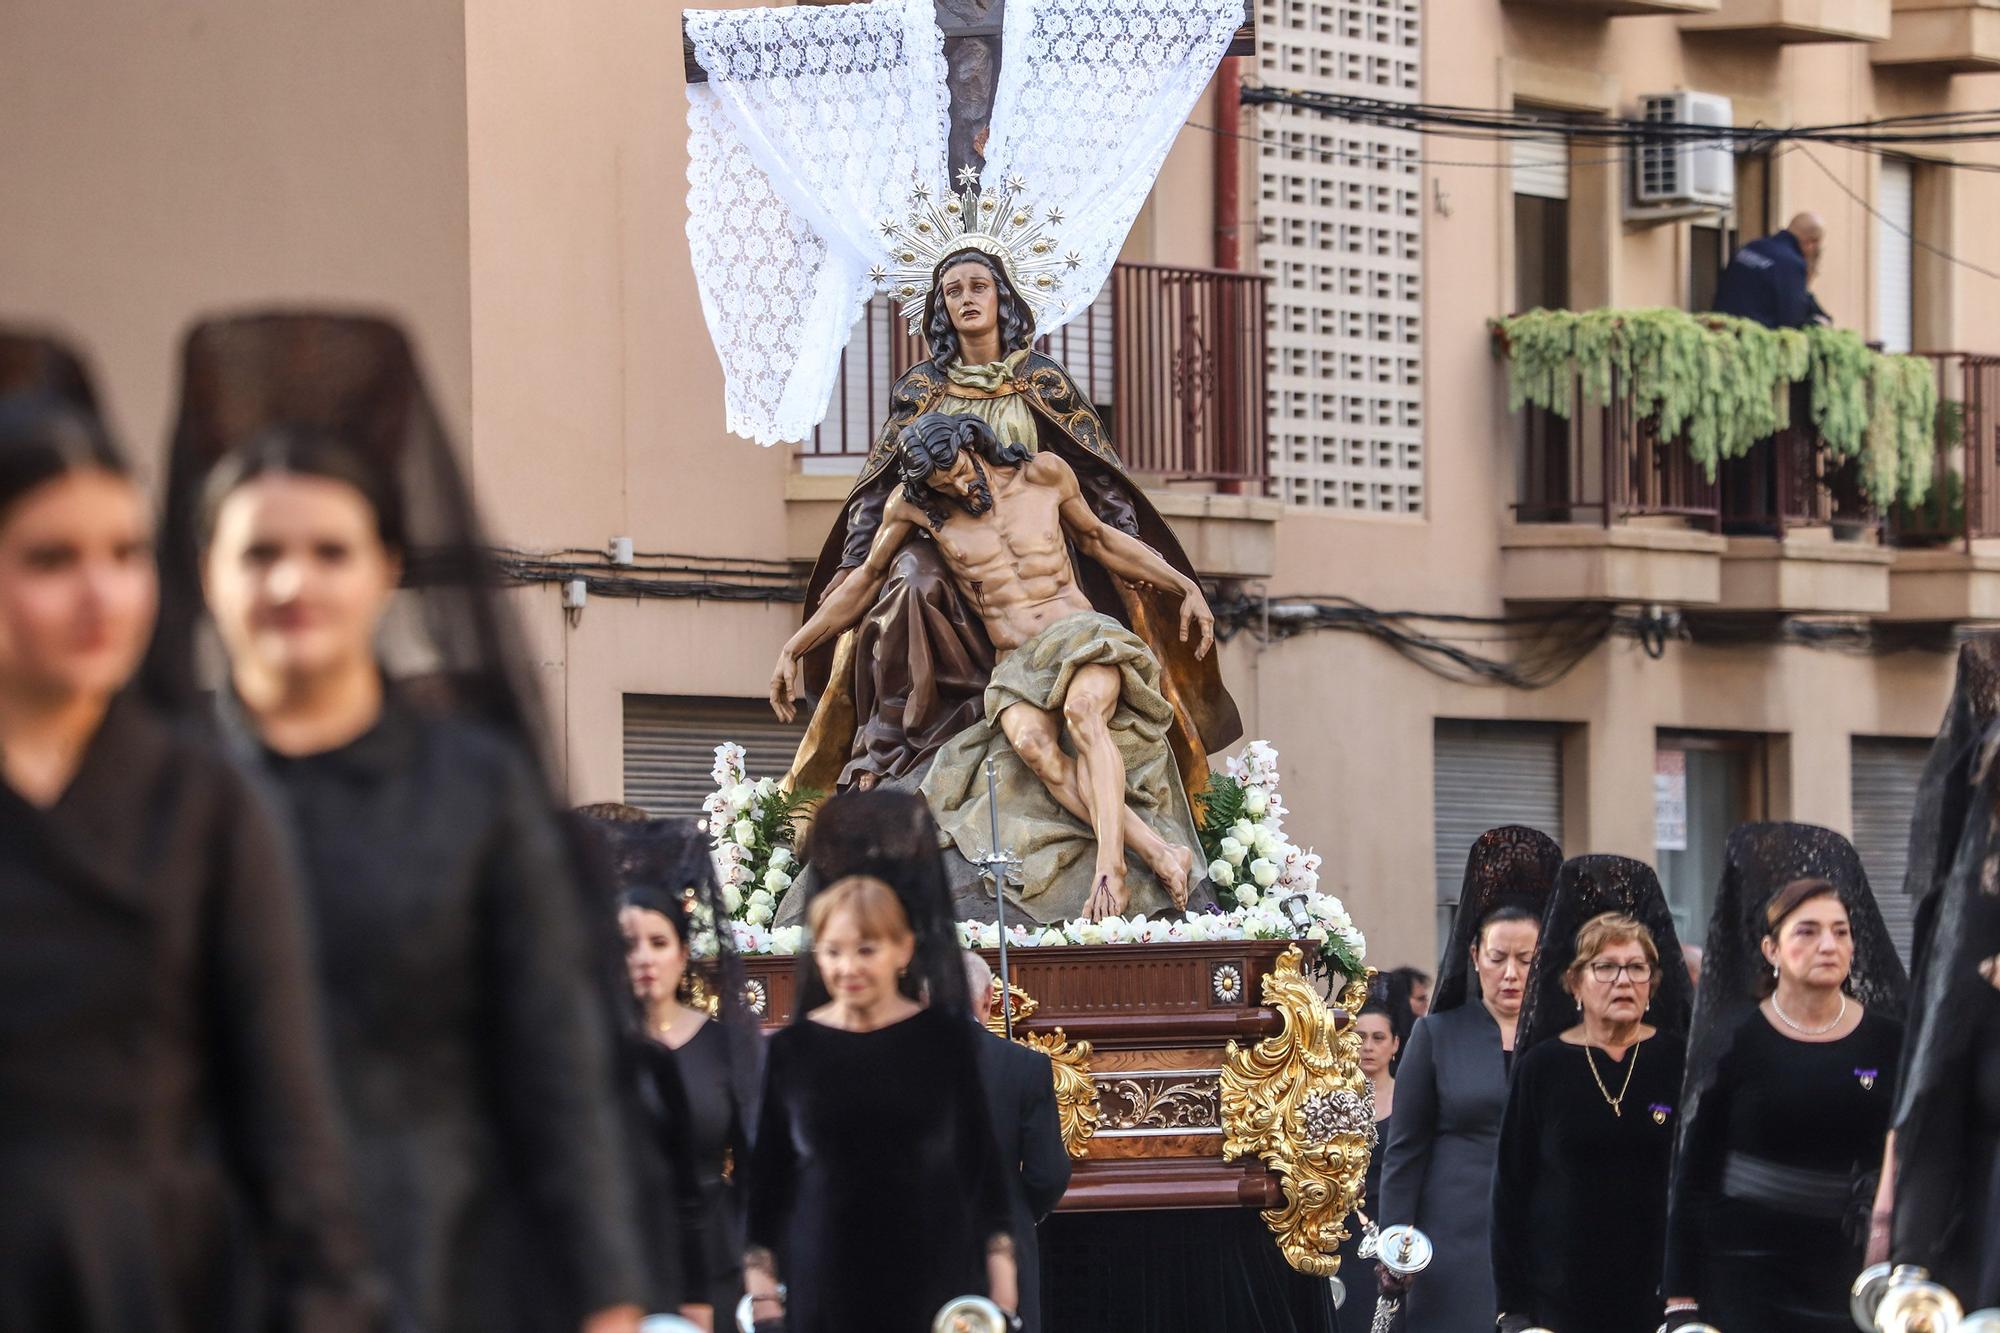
(1721, 384)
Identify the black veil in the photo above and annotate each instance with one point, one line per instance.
(890, 835)
(664, 865)
(1586, 887)
(1509, 866)
(251, 380)
(1945, 787)
(1952, 1025)
(35, 365)
(1758, 860)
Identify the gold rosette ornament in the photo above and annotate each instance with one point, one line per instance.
(1299, 1102)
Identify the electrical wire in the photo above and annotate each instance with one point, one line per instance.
(1893, 225)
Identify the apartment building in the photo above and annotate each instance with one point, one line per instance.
(1295, 354)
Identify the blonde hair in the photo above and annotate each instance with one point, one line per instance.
(1600, 933)
(877, 911)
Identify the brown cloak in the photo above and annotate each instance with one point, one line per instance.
(931, 664)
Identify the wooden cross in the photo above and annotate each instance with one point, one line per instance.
(972, 59)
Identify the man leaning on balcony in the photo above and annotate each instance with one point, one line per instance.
(1769, 279)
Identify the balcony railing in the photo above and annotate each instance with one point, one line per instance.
(1172, 358)
(1964, 501)
(1609, 464)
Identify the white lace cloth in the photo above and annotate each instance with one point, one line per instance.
(815, 120)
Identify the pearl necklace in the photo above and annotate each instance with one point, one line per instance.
(1801, 1028)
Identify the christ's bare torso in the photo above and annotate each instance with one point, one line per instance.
(1012, 562)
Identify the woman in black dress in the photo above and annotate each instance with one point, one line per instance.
(1580, 1192)
(875, 1188)
(1375, 1026)
(1791, 1077)
(309, 479)
(698, 1072)
(1947, 1181)
(1451, 1087)
(165, 1111)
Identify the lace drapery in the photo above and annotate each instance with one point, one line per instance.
(1091, 95)
(810, 128)
(816, 119)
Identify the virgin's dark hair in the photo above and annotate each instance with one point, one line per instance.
(1017, 322)
(1379, 1009)
(302, 452)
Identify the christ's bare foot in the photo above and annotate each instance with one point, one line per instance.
(1109, 896)
(1174, 866)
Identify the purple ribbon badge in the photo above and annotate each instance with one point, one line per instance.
(1867, 1077)
(1660, 1113)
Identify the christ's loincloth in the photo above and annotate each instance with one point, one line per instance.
(1058, 851)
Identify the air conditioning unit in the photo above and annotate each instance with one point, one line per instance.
(1679, 170)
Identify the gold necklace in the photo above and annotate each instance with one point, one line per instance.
(1615, 1103)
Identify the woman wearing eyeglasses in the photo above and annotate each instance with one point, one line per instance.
(1580, 1187)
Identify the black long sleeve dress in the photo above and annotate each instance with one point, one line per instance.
(165, 1109)
(1580, 1190)
(1948, 1188)
(1776, 1165)
(469, 1047)
(876, 1180)
(703, 1133)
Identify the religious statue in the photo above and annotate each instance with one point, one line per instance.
(910, 673)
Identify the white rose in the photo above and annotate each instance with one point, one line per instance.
(1052, 936)
(776, 880)
(781, 857)
(1267, 845)
(1264, 873)
(1089, 932)
(1317, 933)
(765, 786)
(1196, 928)
(743, 833)
(1232, 851)
(1243, 831)
(741, 795)
(1254, 802)
(732, 899)
(762, 898)
(786, 939)
(1222, 873)
(758, 914)
(1246, 896)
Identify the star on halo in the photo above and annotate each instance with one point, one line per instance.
(968, 176)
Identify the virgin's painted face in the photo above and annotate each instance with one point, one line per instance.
(971, 297)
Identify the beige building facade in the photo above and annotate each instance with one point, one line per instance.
(509, 177)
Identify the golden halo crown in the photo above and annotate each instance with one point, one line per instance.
(1006, 226)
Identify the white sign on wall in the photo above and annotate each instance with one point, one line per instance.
(1670, 800)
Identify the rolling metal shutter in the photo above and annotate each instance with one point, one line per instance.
(1885, 773)
(670, 747)
(1541, 167)
(1895, 206)
(1488, 774)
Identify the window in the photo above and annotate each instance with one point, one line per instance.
(1704, 785)
(1895, 274)
(1486, 774)
(1713, 242)
(670, 745)
(1541, 279)
(1884, 773)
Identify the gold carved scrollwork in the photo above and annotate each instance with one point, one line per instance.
(1299, 1102)
(1076, 1092)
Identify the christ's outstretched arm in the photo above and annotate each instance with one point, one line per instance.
(1126, 556)
(843, 606)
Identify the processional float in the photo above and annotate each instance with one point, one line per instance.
(837, 155)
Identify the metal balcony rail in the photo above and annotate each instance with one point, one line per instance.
(1172, 358)
(1964, 501)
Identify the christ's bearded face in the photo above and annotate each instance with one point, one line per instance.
(964, 482)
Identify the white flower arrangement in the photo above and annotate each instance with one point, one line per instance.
(1254, 866)
(753, 828)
